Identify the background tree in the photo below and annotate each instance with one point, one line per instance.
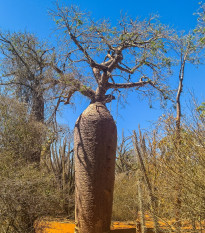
(188, 49)
(124, 157)
(104, 59)
(25, 73)
(201, 23)
(140, 153)
(24, 69)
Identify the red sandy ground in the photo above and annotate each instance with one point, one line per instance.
(48, 225)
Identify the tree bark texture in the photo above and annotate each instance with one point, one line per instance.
(38, 112)
(38, 106)
(95, 151)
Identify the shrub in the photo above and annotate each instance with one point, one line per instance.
(26, 194)
(125, 204)
(20, 134)
(28, 191)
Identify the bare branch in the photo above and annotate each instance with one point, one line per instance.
(92, 63)
(132, 70)
(76, 84)
(4, 40)
(128, 85)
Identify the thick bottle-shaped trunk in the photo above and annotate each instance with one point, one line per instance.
(95, 149)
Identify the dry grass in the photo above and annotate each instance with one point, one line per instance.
(125, 205)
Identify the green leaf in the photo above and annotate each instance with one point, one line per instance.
(202, 40)
(79, 22)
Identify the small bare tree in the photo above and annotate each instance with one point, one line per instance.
(139, 147)
(125, 158)
(188, 49)
(62, 165)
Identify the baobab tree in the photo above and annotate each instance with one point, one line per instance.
(25, 73)
(99, 60)
(24, 69)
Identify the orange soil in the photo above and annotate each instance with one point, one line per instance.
(47, 225)
(56, 226)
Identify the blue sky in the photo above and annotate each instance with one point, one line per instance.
(32, 15)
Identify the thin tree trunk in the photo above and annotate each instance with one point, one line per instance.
(141, 204)
(64, 186)
(148, 184)
(178, 142)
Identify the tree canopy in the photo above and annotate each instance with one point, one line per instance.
(103, 58)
